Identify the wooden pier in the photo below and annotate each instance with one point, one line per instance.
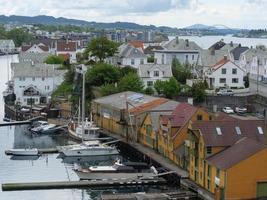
(80, 184)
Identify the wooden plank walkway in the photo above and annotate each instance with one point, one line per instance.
(79, 184)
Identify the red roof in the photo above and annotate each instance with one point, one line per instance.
(66, 46)
(182, 114)
(27, 47)
(241, 150)
(137, 44)
(229, 133)
(220, 63)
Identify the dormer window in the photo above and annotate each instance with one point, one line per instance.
(156, 73)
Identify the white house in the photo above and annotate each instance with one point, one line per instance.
(225, 73)
(128, 56)
(254, 62)
(150, 73)
(34, 83)
(187, 52)
(7, 46)
(67, 49)
(29, 57)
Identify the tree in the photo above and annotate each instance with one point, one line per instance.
(198, 91)
(108, 89)
(19, 35)
(130, 82)
(246, 81)
(101, 48)
(159, 86)
(180, 72)
(53, 59)
(126, 70)
(171, 88)
(102, 74)
(149, 91)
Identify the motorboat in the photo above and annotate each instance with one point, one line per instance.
(44, 128)
(116, 171)
(88, 148)
(23, 152)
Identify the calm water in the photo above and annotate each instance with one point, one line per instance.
(206, 41)
(46, 167)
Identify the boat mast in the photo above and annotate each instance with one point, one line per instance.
(83, 99)
(79, 112)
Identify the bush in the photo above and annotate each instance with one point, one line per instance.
(149, 91)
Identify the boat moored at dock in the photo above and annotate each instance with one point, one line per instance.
(23, 152)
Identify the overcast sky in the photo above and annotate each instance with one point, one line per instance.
(174, 13)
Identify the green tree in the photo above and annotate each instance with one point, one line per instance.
(198, 91)
(149, 91)
(3, 33)
(159, 86)
(131, 82)
(53, 59)
(180, 72)
(101, 48)
(102, 74)
(171, 88)
(19, 35)
(126, 70)
(108, 89)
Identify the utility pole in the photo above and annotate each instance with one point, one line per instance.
(258, 69)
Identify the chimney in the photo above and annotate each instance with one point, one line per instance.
(231, 44)
(187, 42)
(225, 57)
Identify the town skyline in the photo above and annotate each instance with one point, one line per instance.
(243, 14)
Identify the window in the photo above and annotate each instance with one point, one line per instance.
(149, 83)
(141, 61)
(210, 117)
(47, 87)
(148, 129)
(234, 71)
(132, 61)
(260, 130)
(223, 71)
(33, 78)
(234, 80)
(209, 150)
(186, 57)
(222, 80)
(162, 59)
(199, 117)
(218, 173)
(193, 57)
(156, 73)
(43, 78)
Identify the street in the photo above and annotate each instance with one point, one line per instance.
(262, 88)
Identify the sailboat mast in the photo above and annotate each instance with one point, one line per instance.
(79, 112)
(83, 102)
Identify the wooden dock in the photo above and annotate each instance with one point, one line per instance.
(79, 184)
(15, 123)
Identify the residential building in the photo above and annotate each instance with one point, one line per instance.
(128, 56)
(30, 57)
(254, 61)
(149, 128)
(225, 73)
(123, 113)
(149, 51)
(7, 46)
(67, 49)
(150, 73)
(187, 52)
(35, 48)
(236, 52)
(228, 158)
(34, 83)
(173, 132)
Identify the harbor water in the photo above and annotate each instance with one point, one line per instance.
(47, 167)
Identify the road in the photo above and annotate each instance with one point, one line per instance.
(262, 88)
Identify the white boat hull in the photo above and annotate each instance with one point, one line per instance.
(23, 152)
(89, 152)
(100, 176)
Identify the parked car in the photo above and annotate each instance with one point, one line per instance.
(228, 110)
(225, 92)
(240, 110)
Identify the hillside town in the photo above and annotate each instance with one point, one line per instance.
(126, 100)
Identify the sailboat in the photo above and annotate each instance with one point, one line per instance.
(87, 148)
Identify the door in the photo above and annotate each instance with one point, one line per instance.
(261, 189)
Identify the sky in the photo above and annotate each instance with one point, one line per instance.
(173, 13)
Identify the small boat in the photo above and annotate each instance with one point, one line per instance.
(88, 148)
(23, 152)
(44, 127)
(35, 157)
(115, 171)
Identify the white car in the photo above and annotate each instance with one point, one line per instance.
(228, 110)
